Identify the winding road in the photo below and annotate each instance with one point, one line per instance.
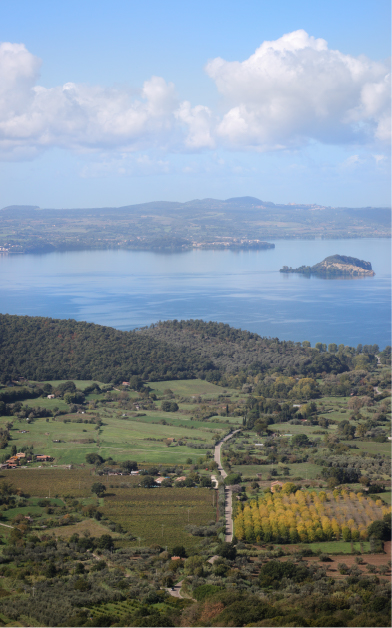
(228, 492)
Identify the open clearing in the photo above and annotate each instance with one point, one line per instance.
(188, 387)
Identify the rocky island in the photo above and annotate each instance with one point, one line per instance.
(335, 265)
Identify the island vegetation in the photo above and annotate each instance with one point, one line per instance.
(335, 266)
(108, 446)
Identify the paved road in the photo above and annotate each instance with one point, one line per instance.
(228, 493)
(217, 454)
(175, 591)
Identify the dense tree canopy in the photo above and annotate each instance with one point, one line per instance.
(43, 348)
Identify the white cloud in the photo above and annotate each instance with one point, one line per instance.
(289, 92)
(296, 89)
(379, 159)
(199, 121)
(353, 160)
(124, 164)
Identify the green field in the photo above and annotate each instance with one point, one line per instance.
(44, 402)
(307, 470)
(371, 447)
(189, 387)
(386, 497)
(287, 428)
(339, 547)
(178, 420)
(118, 438)
(122, 435)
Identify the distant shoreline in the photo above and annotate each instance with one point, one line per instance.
(41, 248)
(235, 224)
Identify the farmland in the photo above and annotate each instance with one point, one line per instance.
(160, 516)
(108, 429)
(148, 516)
(83, 528)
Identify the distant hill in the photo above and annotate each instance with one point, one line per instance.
(335, 265)
(238, 223)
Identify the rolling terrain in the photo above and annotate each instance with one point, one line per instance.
(238, 223)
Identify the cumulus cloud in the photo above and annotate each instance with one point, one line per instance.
(199, 121)
(289, 92)
(296, 89)
(77, 116)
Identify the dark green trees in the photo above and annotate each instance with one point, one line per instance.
(98, 488)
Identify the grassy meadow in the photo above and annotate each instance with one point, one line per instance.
(140, 437)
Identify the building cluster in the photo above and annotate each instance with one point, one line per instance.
(14, 461)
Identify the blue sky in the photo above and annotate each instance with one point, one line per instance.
(112, 103)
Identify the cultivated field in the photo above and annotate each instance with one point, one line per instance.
(160, 515)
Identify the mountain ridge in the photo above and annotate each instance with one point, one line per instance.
(239, 201)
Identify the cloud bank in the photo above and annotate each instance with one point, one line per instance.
(290, 92)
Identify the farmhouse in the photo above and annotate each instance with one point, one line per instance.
(12, 460)
(43, 457)
(50, 396)
(160, 480)
(21, 454)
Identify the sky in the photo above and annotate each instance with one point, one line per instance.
(114, 103)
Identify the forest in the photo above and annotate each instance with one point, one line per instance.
(44, 348)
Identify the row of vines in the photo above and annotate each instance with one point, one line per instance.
(307, 517)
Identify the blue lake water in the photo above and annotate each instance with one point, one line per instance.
(128, 289)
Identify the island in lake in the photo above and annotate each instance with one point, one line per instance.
(335, 265)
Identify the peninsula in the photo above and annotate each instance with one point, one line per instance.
(335, 265)
(235, 223)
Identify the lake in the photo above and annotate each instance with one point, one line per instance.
(129, 289)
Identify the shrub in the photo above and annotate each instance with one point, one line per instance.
(272, 573)
(227, 550)
(98, 488)
(147, 481)
(380, 530)
(205, 591)
(233, 478)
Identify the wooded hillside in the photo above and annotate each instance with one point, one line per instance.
(44, 348)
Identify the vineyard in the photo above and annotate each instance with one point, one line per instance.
(307, 517)
(50, 482)
(160, 516)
